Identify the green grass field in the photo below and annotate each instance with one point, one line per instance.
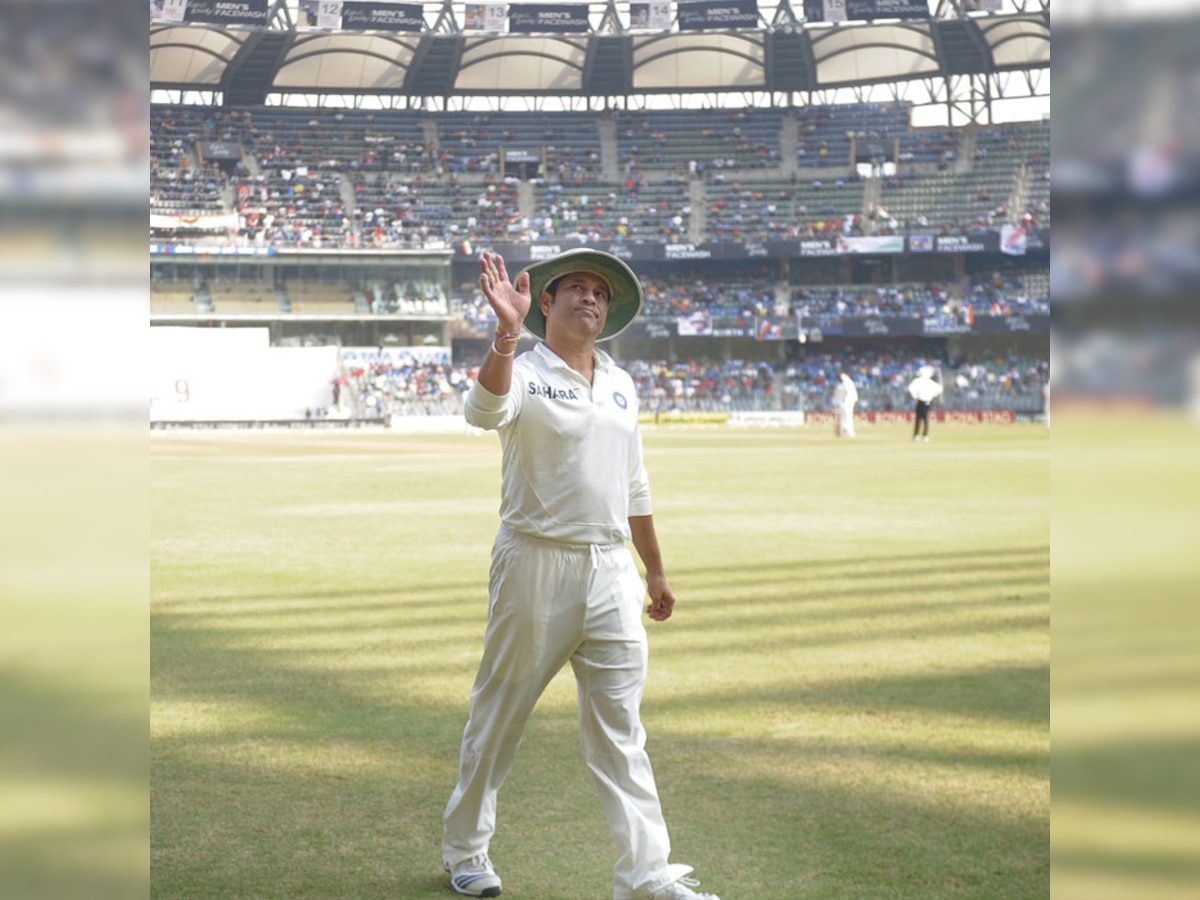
(851, 701)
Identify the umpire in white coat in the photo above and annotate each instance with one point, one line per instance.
(564, 587)
(924, 390)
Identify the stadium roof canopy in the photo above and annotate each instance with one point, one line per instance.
(606, 58)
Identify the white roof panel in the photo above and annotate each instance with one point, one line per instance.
(703, 60)
(190, 55)
(346, 61)
(522, 64)
(1017, 41)
(874, 53)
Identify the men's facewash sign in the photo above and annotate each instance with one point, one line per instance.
(211, 12)
(559, 18)
(843, 10)
(362, 15)
(718, 14)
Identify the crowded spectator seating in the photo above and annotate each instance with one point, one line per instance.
(409, 178)
(399, 211)
(1036, 139)
(700, 385)
(729, 301)
(180, 184)
(777, 211)
(408, 388)
(826, 135)
(974, 194)
(807, 385)
(637, 211)
(1024, 294)
(339, 140)
(744, 302)
(471, 142)
(698, 143)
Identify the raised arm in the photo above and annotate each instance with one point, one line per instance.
(645, 541)
(511, 305)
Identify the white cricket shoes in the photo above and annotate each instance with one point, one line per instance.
(681, 887)
(474, 877)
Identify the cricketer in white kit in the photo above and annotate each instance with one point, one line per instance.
(564, 587)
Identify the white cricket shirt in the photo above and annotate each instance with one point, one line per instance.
(924, 389)
(572, 468)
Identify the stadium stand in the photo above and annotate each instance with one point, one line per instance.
(881, 377)
(323, 178)
(702, 385)
(426, 172)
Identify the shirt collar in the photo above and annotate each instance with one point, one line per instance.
(604, 362)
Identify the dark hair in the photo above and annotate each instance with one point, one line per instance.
(552, 287)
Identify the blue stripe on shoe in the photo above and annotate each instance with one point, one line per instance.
(463, 884)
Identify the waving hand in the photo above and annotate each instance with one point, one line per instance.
(510, 303)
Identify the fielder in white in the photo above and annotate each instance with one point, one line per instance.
(845, 396)
(564, 587)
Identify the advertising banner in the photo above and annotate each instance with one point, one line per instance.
(961, 243)
(1013, 240)
(203, 250)
(233, 374)
(718, 14)
(819, 247)
(167, 10)
(326, 14)
(877, 326)
(361, 15)
(217, 222)
(216, 12)
(698, 324)
(1010, 324)
(219, 149)
(558, 18)
(793, 249)
(656, 329)
(883, 243)
(394, 357)
(843, 10)
(888, 417)
(650, 16)
(491, 17)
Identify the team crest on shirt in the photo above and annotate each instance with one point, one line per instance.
(552, 393)
(620, 400)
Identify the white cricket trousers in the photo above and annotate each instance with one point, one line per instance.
(551, 603)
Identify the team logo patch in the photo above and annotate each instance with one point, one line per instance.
(620, 399)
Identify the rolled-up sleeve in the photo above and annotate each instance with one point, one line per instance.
(486, 410)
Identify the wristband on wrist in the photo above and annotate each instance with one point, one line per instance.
(508, 338)
(496, 351)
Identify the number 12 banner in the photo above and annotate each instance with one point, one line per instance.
(361, 15)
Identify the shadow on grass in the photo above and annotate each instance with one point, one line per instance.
(339, 791)
(1012, 693)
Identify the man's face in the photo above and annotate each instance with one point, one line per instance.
(579, 304)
